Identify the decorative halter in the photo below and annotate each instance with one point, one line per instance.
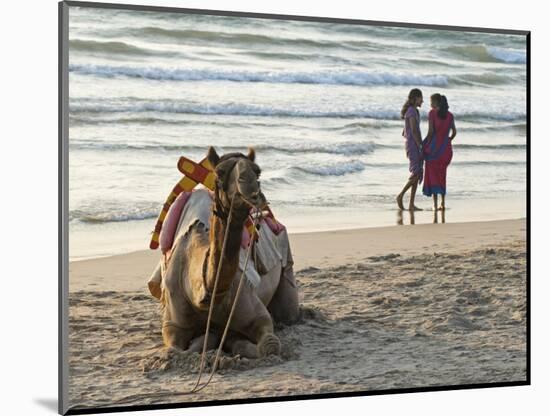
(202, 172)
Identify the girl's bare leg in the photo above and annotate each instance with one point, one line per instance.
(442, 206)
(434, 196)
(400, 217)
(399, 197)
(412, 207)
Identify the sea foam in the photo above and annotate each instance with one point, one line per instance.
(330, 77)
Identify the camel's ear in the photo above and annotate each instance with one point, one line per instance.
(251, 154)
(212, 156)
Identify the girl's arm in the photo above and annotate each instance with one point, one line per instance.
(415, 131)
(430, 129)
(453, 131)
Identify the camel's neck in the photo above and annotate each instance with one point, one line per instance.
(230, 261)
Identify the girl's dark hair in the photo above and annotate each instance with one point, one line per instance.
(441, 102)
(413, 95)
(443, 107)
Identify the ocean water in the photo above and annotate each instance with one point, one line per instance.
(320, 103)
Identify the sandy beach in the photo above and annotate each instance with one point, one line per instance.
(381, 308)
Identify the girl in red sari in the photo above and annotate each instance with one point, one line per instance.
(438, 150)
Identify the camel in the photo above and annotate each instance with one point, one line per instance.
(188, 276)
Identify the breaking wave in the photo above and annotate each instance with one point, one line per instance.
(349, 77)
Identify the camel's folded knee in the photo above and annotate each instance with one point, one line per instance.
(175, 335)
(269, 344)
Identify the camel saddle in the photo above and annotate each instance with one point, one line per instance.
(270, 249)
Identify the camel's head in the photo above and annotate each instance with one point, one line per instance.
(238, 179)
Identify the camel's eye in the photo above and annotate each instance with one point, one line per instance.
(247, 178)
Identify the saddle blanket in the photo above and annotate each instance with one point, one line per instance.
(271, 248)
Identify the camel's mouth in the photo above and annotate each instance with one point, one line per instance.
(256, 200)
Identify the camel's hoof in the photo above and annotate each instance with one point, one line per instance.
(245, 348)
(197, 344)
(269, 345)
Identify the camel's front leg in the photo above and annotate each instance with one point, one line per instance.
(179, 321)
(176, 336)
(253, 320)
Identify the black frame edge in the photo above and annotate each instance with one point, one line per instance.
(433, 389)
(63, 232)
(528, 219)
(320, 19)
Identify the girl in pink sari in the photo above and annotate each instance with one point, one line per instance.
(438, 150)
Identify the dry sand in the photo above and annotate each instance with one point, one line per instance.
(382, 308)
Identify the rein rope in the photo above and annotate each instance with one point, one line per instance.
(196, 389)
(218, 211)
(213, 296)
